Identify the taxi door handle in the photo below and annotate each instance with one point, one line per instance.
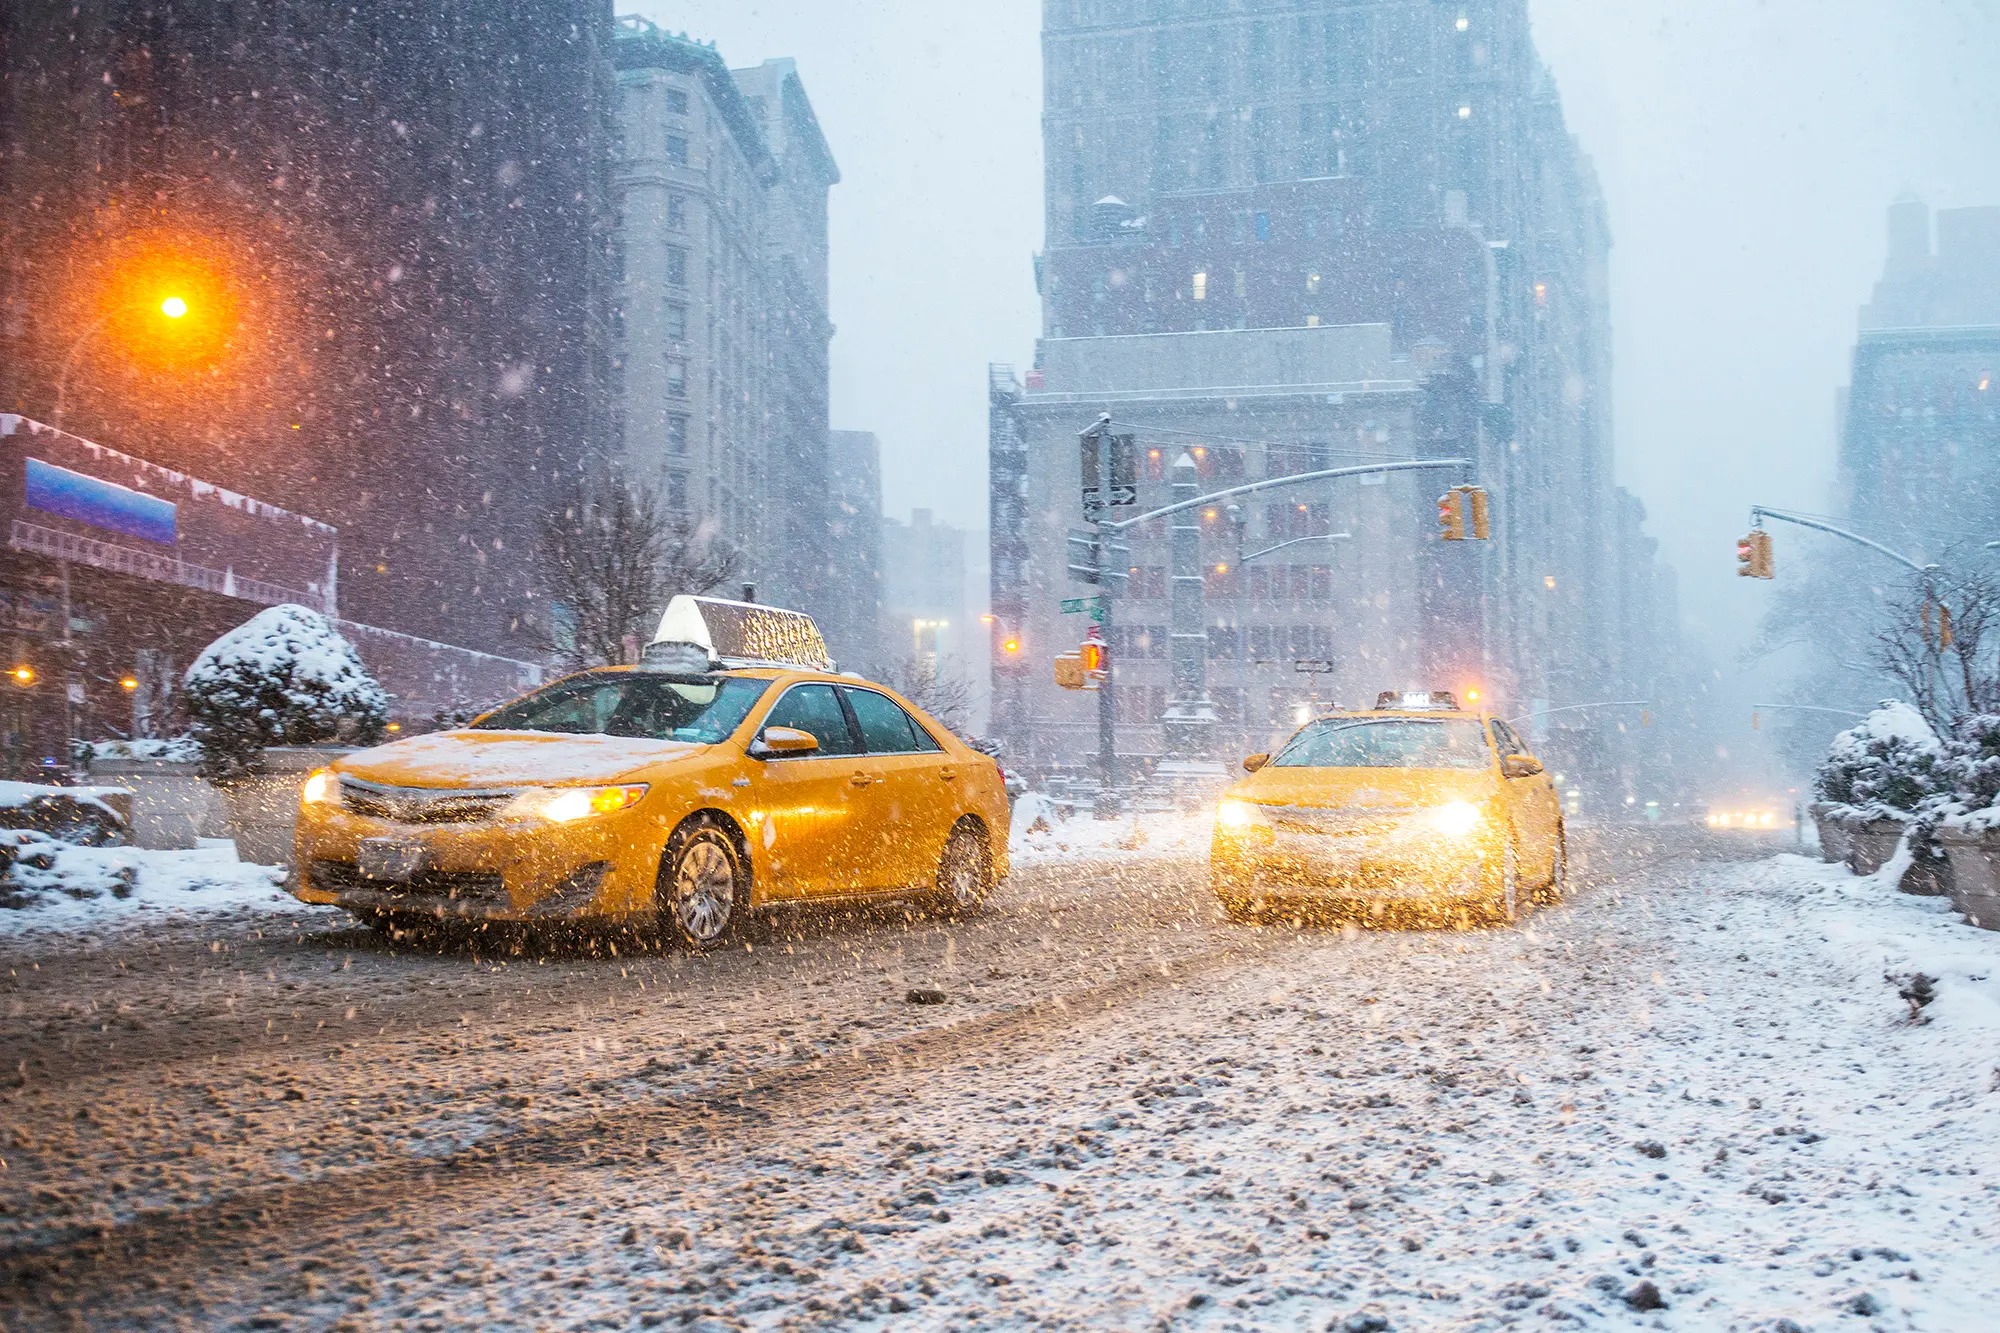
(863, 779)
(948, 774)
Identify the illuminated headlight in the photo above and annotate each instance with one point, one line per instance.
(321, 788)
(1236, 815)
(563, 805)
(1455, 819)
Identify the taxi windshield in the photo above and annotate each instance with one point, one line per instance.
(1386, 742)
(701, 709)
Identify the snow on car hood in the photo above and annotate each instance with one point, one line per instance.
(1365, 788)
(509, 759)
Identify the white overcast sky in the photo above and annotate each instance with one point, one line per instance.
(1749, 150)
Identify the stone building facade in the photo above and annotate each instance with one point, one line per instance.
(721, 313)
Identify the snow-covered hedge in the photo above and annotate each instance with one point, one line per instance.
(284, 677)
(173, 749)
(1883, 767)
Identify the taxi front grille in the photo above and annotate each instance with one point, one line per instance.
(420, 805)
(1339, 822)
(454, 885)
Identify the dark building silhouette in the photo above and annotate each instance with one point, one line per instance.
(389, 221)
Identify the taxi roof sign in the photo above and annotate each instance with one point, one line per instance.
(1443, 701)
(698, 632)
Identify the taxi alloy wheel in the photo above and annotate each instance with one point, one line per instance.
(1507, 893)
(700, 886)
(962, 876)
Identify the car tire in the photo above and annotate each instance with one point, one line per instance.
(964, 874)
(1504, 897)
(1552, 893)
(702, 897)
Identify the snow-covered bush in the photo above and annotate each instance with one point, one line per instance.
(284, 677)
(1884, 766)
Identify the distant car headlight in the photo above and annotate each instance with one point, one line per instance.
(322, 788)
(1455, 819)
(564, 805)
(1236, 815)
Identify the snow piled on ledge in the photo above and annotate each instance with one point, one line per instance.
(85, 889)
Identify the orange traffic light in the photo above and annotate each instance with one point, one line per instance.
(1753, 555)
(129, 684)
(1451, 515)
(174, 307)
(23, 675)
(1482, 526)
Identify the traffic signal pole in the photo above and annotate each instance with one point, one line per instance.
(1107, 531)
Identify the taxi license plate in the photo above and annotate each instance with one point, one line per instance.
(390, 859)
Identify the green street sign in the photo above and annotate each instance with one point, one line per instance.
(1076, 606)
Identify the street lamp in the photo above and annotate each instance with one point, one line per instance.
(173, 306)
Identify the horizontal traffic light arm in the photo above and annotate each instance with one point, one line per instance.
(1269, 483)
(1759, 513)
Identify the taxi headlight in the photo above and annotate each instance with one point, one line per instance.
(563, 805)
(1456, 819)
(1236, 815)
(321, 788)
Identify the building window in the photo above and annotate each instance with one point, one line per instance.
(1242, 285)
(677, 212)
(1199, 283)
(677, 377)
(677, 433)
(1312, 321)
(1312, 284)
(677, 101)
(677, 266)
(676, 489)
(1263, 226)
(677, 149)
(677, 321)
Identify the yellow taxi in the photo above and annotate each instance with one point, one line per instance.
(733, 768)
(1414, 803)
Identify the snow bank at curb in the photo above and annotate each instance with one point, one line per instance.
(91, 888)
(1045, 832)
(1868, 926)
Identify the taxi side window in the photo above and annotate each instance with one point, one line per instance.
(1509, 742)
(815, 709)
(885, 727)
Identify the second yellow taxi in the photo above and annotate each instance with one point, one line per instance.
(1414, 803)
(732, 769)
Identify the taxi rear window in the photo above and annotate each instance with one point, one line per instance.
(701, 709)
(1386, 742)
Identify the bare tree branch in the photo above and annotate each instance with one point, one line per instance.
(1945, 681)
(948, 698)
(609, 558)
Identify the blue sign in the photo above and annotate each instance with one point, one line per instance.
(102, 504)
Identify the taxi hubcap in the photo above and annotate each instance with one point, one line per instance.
(963, 876)
(704, 890)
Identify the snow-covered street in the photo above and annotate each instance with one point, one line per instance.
(1692, 1097)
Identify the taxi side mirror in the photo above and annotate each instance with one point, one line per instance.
(1254, 762)
(1519, 766)
(782, 743)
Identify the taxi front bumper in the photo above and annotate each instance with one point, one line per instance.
(1395, 858)
(500, 870)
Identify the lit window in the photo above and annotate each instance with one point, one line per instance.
(1465, 113)
(1463, 23)
(1200, 284)
(1541, 293)
(1312, 284)
(1312, 321)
